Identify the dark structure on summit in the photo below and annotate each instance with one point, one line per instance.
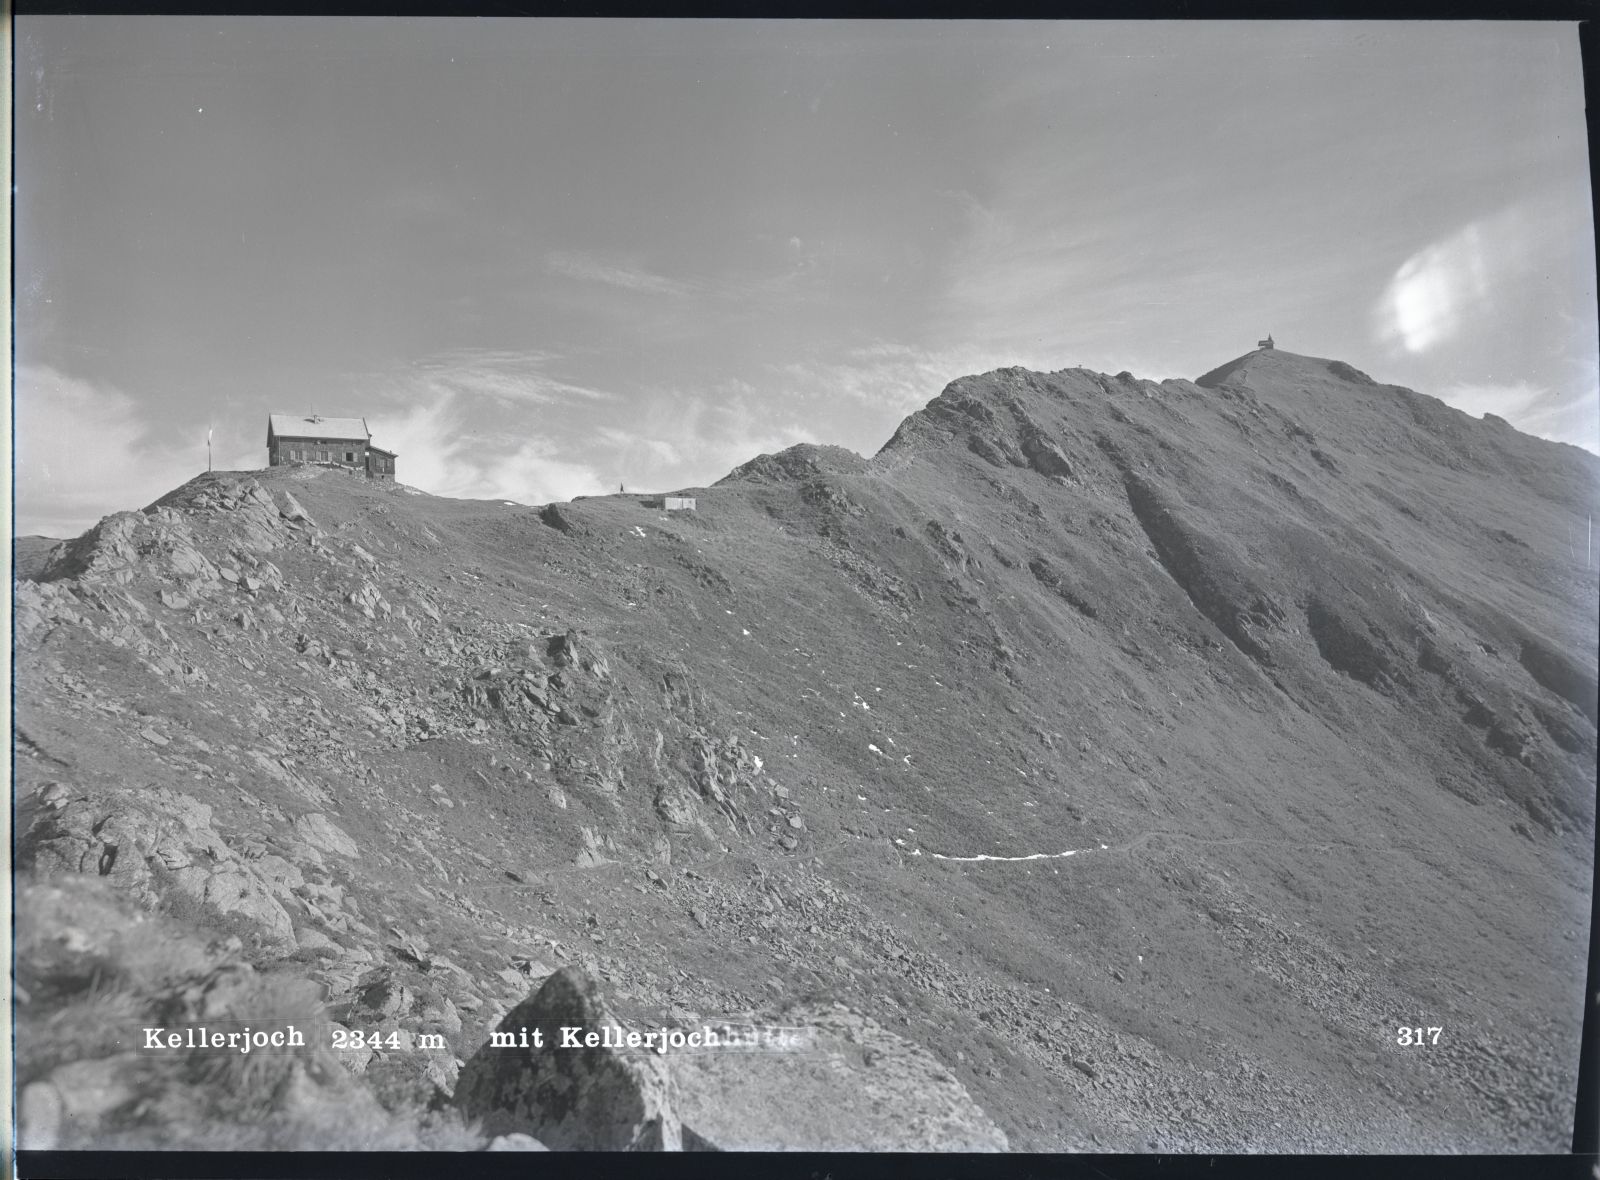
(1267, 343)
(328, 442)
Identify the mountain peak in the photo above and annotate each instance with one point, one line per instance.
(1274, 364)
(799, 462)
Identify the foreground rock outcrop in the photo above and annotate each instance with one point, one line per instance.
(158, 846)
(570, 1099)
(824, 1079)
(94, 971)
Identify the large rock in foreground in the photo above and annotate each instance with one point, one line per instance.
(578, 1099)
(843, 1084)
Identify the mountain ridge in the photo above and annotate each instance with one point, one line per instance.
(1169, 689)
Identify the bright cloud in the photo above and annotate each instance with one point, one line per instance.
(1438, 289)
(1466, 282)
(461, 427)
(84, 450)
(438, 454)
(1485, 318)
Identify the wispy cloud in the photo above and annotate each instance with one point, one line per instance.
(507, 376)
(1563, 415)
(791, 274)
(694, 439)
(656, 452)
(896, 378)
(457, 436)
(614, 273)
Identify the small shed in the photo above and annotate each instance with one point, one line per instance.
(678, 503)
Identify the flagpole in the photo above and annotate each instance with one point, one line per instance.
(208, 448)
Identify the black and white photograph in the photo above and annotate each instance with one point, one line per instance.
(756, 585)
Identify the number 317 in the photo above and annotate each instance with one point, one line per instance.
(1419, 1036)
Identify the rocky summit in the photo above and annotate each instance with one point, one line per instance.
(1106, 764)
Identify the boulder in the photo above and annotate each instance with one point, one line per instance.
(322, 833)
(572, 1099)
(552, 515)
(571, 649)
(292, 508)
(368, 599)
(385, 998)
(1046, 457)
(355, 1057)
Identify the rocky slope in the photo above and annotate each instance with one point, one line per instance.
(1146, 753)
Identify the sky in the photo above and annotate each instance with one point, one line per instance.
(549, 258)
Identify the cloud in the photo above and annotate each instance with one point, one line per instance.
(1470, 283)
(461, 427)
(657, 451)
(1534, 409)
(1505, 401)
(1439, 289)
(459, 432)
(84, 451)
(691, 440)
(629, 278)
(1498, 317)
(897, 378)
(507, 376)
(438, 454)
